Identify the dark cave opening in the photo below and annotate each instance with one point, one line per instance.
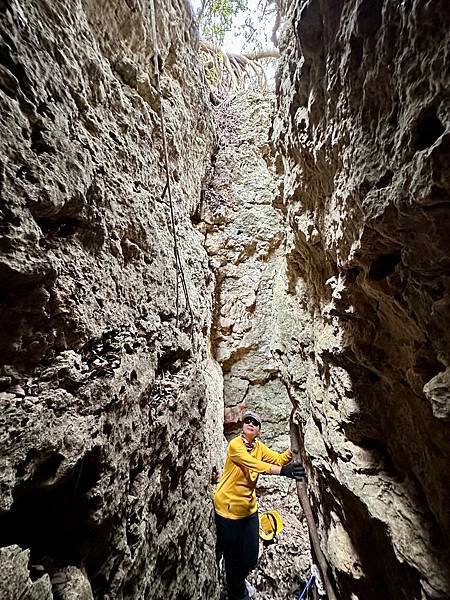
(384, 180)
(428, 129)
(384, 265)
(54, 518)
(59, 227)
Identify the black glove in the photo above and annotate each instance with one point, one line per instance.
(294, 471)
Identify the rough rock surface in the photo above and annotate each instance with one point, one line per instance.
(244, 235)
(104, 472)
(15, 582)
(362, 135)
(244, 238)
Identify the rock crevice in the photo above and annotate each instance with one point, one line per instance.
(317, 266)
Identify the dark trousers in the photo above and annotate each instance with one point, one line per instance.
(237, 540)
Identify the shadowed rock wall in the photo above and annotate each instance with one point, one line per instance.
(362, 132)
(108, 407)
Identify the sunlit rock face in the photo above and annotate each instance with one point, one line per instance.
(362, 135)
(244, 239)
(109, 406)
(244, 236)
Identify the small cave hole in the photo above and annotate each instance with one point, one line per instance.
(25, 174)
(48, 468)
(383, 266)
(196, 218)
(428, 129)
(437, 292)
(53, 521)
(171, 361)
(384, 181)
(357, 50)
(378, 449)
(426, 365)
(62, 188)
(114, 137)
(58, 227)
(44, 110)
(38, 144)
(352, 274)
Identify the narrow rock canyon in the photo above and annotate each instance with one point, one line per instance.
(312, 272)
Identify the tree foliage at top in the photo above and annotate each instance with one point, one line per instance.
(248, 20)
(216, 18)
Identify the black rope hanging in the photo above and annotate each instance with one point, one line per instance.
(179, 272)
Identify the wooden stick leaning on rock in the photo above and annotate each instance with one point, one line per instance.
(305, 504)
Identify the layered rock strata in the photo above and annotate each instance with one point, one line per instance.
(244, 237)
(362, 134)
(110, 403)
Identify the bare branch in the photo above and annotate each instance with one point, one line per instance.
(236, 66)
(276, 25)
(267, 53)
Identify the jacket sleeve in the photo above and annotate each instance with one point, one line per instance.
(275, 458)
(239, 456)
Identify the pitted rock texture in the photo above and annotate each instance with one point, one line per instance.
(16, 582)
(362, 135)
(244, 238)
(109, 406)
(244, 235)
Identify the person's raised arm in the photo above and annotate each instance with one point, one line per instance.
(275, 458)
(285, 468)
(239, 455)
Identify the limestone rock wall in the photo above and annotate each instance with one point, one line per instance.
(109, 407)
(362, 136)
(244, 237)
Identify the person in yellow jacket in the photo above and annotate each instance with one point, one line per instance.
(235, 505)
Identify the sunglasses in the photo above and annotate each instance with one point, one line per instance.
(252, 421)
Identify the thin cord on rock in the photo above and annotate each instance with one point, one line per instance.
(167, 187)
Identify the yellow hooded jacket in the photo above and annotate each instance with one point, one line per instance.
(235, 496)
